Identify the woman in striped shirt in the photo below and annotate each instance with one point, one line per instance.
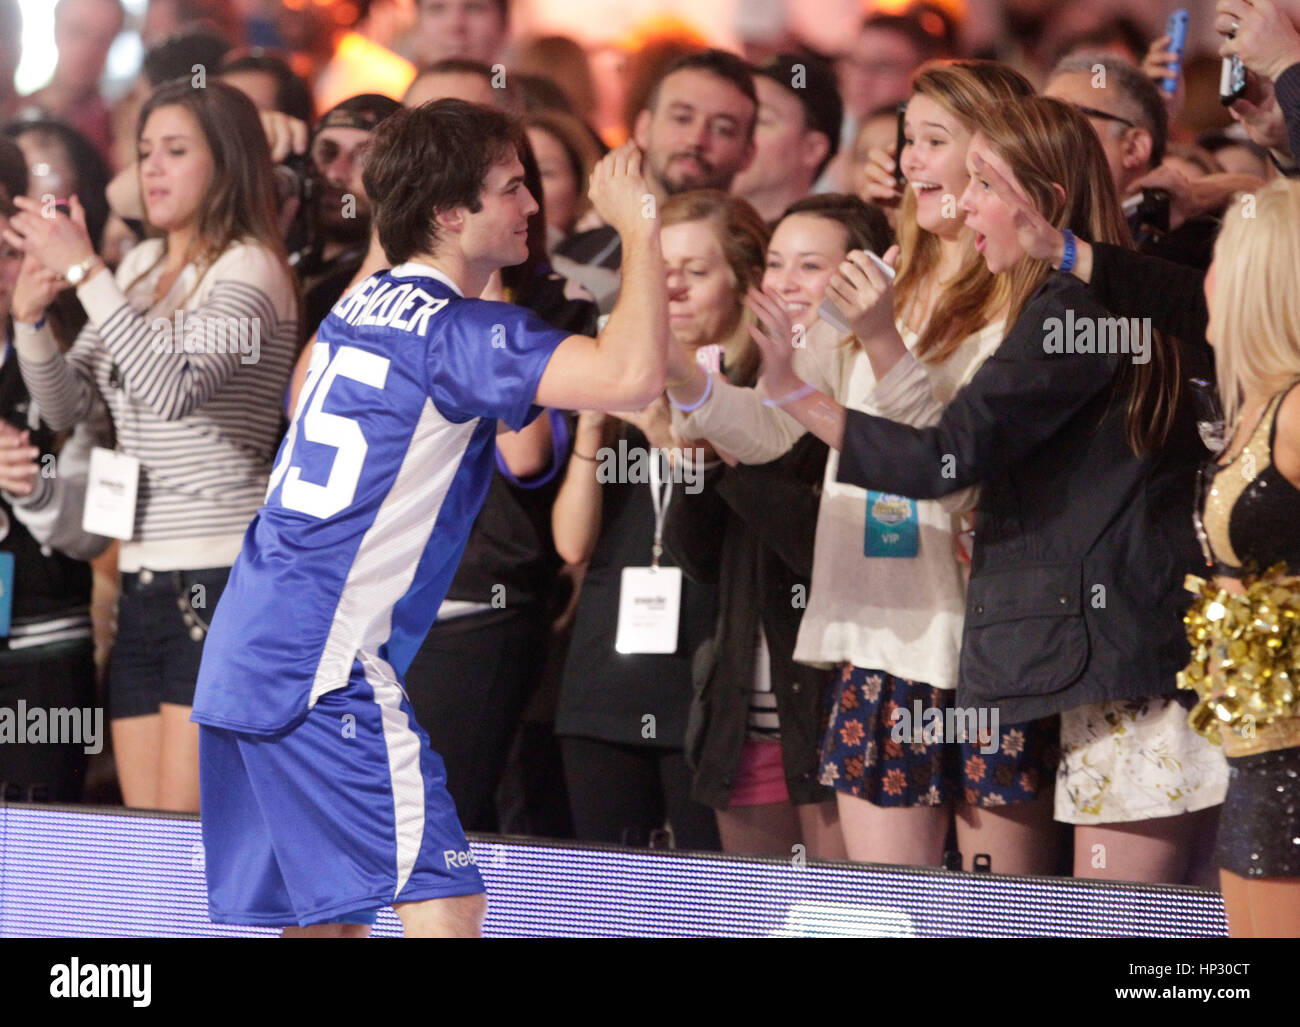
(190, 346)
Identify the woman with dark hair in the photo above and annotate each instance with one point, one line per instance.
(758, 716)
(812, 239)
(566, 151)
(47, 654)
(189, 345)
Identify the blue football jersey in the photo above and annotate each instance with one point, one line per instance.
(372, 495)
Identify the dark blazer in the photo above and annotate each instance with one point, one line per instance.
(1137, 285)
(750, 530)
(1287, 90)
(1081, 547)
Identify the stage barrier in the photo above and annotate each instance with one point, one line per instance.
(71, 871)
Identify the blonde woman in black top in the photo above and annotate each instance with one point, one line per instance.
(1250, 523)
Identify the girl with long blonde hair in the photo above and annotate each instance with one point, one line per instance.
(1250, 522)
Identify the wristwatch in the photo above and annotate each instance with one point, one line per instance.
(76, 274)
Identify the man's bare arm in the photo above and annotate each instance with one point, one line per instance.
(624, 369)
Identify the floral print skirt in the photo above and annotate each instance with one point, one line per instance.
(896, 742)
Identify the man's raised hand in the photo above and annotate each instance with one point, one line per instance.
(619, 191)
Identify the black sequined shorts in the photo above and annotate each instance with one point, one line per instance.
(1259, 827)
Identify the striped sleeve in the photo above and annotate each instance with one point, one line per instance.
(63, 386)
(174, 365)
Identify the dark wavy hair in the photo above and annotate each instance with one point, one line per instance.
(865, 225)
(430, 158)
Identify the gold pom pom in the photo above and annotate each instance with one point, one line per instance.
(1245, 653)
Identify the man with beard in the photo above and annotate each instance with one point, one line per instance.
(696, 132)
(338, 210)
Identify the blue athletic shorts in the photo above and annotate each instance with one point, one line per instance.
(344, 814)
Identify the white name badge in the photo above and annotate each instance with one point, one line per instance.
(110, 494)
(649, 605)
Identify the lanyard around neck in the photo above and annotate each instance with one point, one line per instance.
(660, 501)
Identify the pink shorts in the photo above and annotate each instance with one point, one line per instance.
(760, 778)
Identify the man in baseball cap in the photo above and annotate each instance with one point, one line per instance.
(798, 131)
(338, 207)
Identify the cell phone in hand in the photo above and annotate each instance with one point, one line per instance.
(1176, 30)
(830, 313)
(1148, 214)
(885, 269)
(1232, 80)
(710, 358)
(899, 140)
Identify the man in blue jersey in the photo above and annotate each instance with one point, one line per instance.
(322, 800)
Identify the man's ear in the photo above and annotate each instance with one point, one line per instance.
(814, 149)
(1059, 190)
(451, 220)
(641, 129)
(1137, 148)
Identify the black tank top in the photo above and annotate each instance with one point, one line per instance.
(1251, 512)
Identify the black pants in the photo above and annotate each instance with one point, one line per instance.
(56, 676)
(622, 794)
(469, 684)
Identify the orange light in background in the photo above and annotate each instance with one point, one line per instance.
(661, 26)
(956, 8)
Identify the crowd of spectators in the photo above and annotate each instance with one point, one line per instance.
(1047, 175)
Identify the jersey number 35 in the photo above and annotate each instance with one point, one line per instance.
(341, 433)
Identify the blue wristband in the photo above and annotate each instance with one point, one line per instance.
(1071, 251)
(790, 397)
(708, 391)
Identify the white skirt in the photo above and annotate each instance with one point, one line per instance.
(1135, 759)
